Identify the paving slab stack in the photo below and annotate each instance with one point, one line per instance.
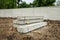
(26, 24)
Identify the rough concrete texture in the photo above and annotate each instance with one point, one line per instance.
(30, 27)
(49, 32)
(52, 12)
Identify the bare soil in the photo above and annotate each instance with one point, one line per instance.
(48, 32)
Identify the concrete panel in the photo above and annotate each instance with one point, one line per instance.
(6, 13)
(28, 28)
(28, 19)
(52, 13)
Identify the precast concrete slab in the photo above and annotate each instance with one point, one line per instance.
(30, 27)
(26, 21)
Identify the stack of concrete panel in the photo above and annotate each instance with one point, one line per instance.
(28, 20)
(26, 24)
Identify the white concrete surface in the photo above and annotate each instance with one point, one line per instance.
(28, 28)
(52, 13)
(27, 24)
(28, 19)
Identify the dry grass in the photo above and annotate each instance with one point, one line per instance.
(49, 32)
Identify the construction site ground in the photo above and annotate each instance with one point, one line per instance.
(49, 32)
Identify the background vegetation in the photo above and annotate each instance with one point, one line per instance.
(8, 4)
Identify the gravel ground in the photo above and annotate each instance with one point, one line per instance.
(48, 32)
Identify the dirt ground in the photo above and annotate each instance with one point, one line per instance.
(48, 32)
